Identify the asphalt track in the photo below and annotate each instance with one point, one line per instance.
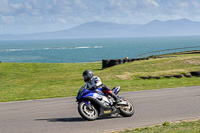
(60, 115)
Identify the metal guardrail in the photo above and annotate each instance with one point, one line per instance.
(168, 51)
(112, 62)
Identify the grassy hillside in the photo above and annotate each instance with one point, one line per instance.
(22, 81)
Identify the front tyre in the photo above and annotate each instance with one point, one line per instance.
(86, 113)
(126, 110)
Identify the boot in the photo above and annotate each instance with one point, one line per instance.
(117, 100)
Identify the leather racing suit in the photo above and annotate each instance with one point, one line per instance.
(95, 82)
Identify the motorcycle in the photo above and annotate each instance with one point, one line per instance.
(94, 103)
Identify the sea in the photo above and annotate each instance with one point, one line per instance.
(88, 50)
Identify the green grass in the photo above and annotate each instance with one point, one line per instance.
(24, 81)
(181, 127)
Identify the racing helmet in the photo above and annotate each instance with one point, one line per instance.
(87, 75)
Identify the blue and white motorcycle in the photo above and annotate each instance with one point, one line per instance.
(94, 103)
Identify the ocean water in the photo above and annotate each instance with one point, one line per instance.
(88, 50)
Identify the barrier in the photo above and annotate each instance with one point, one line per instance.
(113, 62)
(146, 56)
(105, 63)
(168, 51)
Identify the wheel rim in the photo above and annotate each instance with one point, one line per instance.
(89, 112)
(127, 108)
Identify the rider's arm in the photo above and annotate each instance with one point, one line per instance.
(86, 85)
(97, 82)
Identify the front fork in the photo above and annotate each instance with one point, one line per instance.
(87, 103)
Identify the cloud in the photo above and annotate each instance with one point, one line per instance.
(69, 13)
(154, 3)
(76, 11)
(5, 8)
(16, 6)
(7, 19)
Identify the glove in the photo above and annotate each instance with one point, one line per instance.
(94, 87)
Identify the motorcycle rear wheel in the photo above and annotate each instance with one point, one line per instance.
(86, 113)
(126, 110)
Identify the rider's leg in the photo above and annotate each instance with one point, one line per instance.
(106, 90)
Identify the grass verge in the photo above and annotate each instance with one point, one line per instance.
(25, 81)
(166, 127)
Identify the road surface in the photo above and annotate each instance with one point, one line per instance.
(60, 115)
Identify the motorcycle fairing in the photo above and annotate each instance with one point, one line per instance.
(103, 109)
(97, 98)
(116, 90)
(83, 93)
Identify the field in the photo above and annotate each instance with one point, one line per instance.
(25, 81)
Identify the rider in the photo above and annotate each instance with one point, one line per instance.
(93, 82)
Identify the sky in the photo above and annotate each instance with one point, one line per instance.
(32, 16)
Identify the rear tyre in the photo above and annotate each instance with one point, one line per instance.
(86, 113)
(126, 110)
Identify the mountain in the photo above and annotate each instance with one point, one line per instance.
(96, 29)
(99, 29)
(181, 27)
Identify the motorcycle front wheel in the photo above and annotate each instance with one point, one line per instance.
(89, 114)
(126, 110)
